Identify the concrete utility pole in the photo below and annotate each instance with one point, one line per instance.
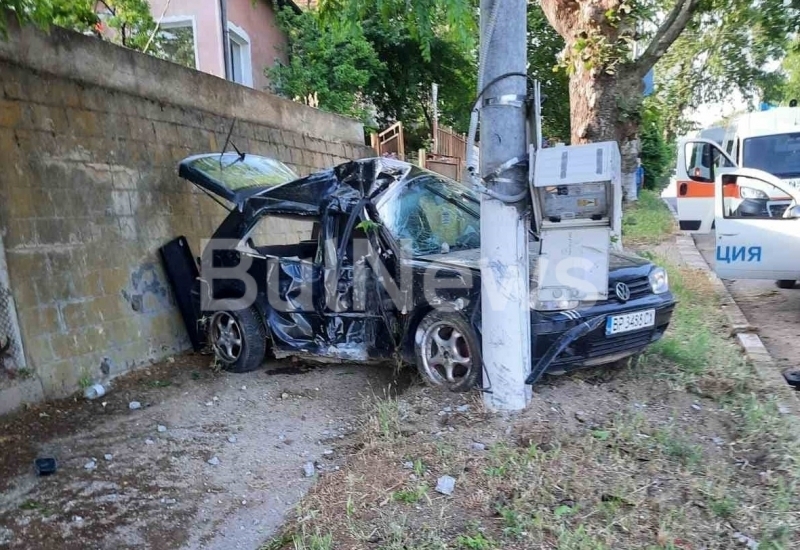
(504, 232)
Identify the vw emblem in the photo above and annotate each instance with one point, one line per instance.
(622, 291)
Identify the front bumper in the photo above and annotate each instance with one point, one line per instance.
(595, 347)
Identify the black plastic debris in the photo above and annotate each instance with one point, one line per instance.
(792, 377)
(182, 272)
(45, 466)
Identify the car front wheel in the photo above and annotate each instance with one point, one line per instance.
(448, 352)
(238, 339)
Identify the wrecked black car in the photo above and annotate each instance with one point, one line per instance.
(381, 261)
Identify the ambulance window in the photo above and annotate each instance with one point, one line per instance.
(729, 147)
(744, 197)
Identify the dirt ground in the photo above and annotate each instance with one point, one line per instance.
(774, 312)
(142, 478)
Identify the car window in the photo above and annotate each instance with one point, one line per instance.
(236, 173)
(777, 154)
(431, 215)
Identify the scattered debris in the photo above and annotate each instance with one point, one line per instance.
(231, 439)
(697, 407)
(133, 405)
(162, 428)
(462, 408)
(478, 446)
(94, 391)
(447, 409)
(408, 465)
(783, 409)
(309, 469)
(91, 465)
(284, 395)
(45, 466)
(108, 456)
(327, 452)
(168, 501)
(446, 485)
(214, 461)
(77, 519)
(718, 441)
(149, 441)
(170, 359)
(580, 416)
(244, 388)
(747, 541)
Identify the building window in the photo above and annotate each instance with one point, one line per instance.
(177, 41)
(241, 67)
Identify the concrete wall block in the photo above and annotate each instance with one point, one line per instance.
(12, 113)
(41, 320)
(39, 351)
(91, 192)
(84, 123)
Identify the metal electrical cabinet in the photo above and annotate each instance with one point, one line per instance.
(577, 202)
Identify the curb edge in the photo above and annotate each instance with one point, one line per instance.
(763, 363)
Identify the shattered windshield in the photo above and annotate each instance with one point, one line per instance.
(236, 173)
(431, 215)
(777, 154)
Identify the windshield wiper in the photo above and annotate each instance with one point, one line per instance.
(240, 157)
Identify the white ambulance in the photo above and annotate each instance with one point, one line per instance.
(750, 192)
(765, 140)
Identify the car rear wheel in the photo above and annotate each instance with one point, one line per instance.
(785, 283)
(448, 352)
(239, 339)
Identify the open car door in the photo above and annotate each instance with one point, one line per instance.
(757, 220)
(699, 162)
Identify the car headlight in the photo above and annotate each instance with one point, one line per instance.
(555, 305)
(659, 281)
(750, 193)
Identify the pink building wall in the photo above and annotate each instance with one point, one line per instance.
(267, 40)
(258, 22)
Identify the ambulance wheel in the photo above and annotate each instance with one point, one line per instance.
(785, 283)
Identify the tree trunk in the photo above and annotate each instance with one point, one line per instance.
(607, 107)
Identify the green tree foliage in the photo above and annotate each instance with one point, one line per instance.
(544, 47)
(725, 48)
(126, 22)
(402, 89)
(326, 68)
(790, 88)
(377, 72)
(657, 154)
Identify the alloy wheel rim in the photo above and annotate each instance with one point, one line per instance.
(226, 337)
(446, 355)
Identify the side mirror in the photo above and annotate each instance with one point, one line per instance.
(793, 212)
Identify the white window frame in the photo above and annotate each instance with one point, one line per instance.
(173, 21)
(242, 39)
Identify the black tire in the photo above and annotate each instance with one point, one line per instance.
(785, 283)
(450, 337)
(248, 353)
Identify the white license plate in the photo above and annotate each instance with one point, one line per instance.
(630, 321)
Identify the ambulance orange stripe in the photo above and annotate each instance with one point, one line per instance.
(695, 190)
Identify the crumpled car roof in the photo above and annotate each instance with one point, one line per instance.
(337, 189)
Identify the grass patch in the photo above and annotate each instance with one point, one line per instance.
(689, 451)
(647, 221)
